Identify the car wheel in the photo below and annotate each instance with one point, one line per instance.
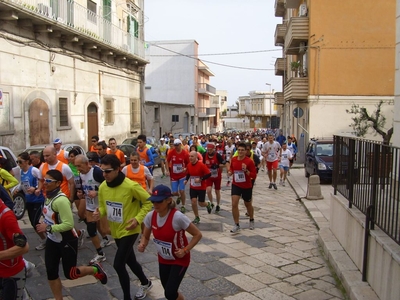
(19, 206)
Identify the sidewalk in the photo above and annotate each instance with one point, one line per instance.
(280, 259)
(319, 210)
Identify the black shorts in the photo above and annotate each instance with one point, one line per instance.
(246, 194)
(199, 194)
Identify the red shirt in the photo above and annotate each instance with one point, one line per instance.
(9, 227)
(167, 241)
(211, 161)
(177, 162)
(240, 178)
(195, 171)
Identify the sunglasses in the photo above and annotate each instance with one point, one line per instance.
(107, 170)
(19, 161)
(47, 180)
(94, 141)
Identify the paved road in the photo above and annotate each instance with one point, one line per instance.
(280, 259)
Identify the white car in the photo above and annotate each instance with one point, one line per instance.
(19, 198)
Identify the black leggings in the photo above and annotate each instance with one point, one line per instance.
(12, 288)
(126, 256)
(67, 251)
(171, 277)
(34, 212)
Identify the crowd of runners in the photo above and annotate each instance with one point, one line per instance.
(121, 201)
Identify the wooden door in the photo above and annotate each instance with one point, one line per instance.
(39, 127)
(93, 125)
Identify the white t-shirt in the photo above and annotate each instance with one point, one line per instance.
(285, 156)
(229, 152)
(271, 150)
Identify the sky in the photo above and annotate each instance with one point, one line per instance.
(242, 30)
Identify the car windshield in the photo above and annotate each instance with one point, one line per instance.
(325, 149)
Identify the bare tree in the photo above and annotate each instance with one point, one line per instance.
(363, 121)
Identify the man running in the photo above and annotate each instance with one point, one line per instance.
(163, 148)
(271, 151)
(177, 160)
(293, 149)
(214, 162)
(286, 156)
(197, 172)
(229, 151)
(243, 170)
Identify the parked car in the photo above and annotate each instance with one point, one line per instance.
(319, 159)
(66, 147)
(19, 198)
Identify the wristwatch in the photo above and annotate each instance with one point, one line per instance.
(48, 228)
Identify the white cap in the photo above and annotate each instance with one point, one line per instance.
(162, 139)
(177, 141)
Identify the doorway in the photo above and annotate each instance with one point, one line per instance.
(93, 123)
(39, 130)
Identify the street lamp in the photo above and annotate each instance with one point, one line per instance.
(270, 105)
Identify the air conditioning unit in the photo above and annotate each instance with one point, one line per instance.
(303, 10)
(302, 47)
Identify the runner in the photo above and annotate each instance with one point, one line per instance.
(146, 157)
(139, 173)
(163, 148)
(271, 151)
(125, 205)
(293, 149)
(112, 143)
(286, 156)
(243, 170)
(197, 172)
(168, 226)
(214, 163)
(229, 151)
(62, 239)
(177, 160)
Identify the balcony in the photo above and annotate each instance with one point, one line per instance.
(296, 89)
(280, 66)
(205, 88)
(297, 32)
(280, 33)
(206, 112)
(279, 8)
(279, 100)
(70, 25)
(206, 70)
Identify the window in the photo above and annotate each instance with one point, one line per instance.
(6, 125)
(135, 114)
(175, 118)
(63, 118)
(109, 112)
(156, 114)
(92, 11)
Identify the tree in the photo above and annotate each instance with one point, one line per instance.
(363, 121)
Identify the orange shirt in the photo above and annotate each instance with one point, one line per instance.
(118, 153)
(139, 177)
(61, 157)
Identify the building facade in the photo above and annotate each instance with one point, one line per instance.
(175, 75)
(70, 70)
(333, 55)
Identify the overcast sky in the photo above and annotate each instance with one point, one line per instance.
(222, 26)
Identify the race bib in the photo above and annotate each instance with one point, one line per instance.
(164, 249)
(271, 155)
(115, 212)
(25, 186)
(214, 173)
(178, 168)
(193, 182)
(239, 176)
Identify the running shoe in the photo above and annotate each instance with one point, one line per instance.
(178, 200)
(81, 239)
(29, 266)
(235, 229)
(283, 183)
(251, 226)
(100, 274)
(262, 169)
(288, 173)
(98, 258)
(280, 181)
(228, 183)
(274, 185)
(104, 243)
(247, 214)
(143, 289)
(270, 185)
(196, 220)
(42, 245)
(183, 209)
(217, 209)
(162, 176)
(210, 207)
